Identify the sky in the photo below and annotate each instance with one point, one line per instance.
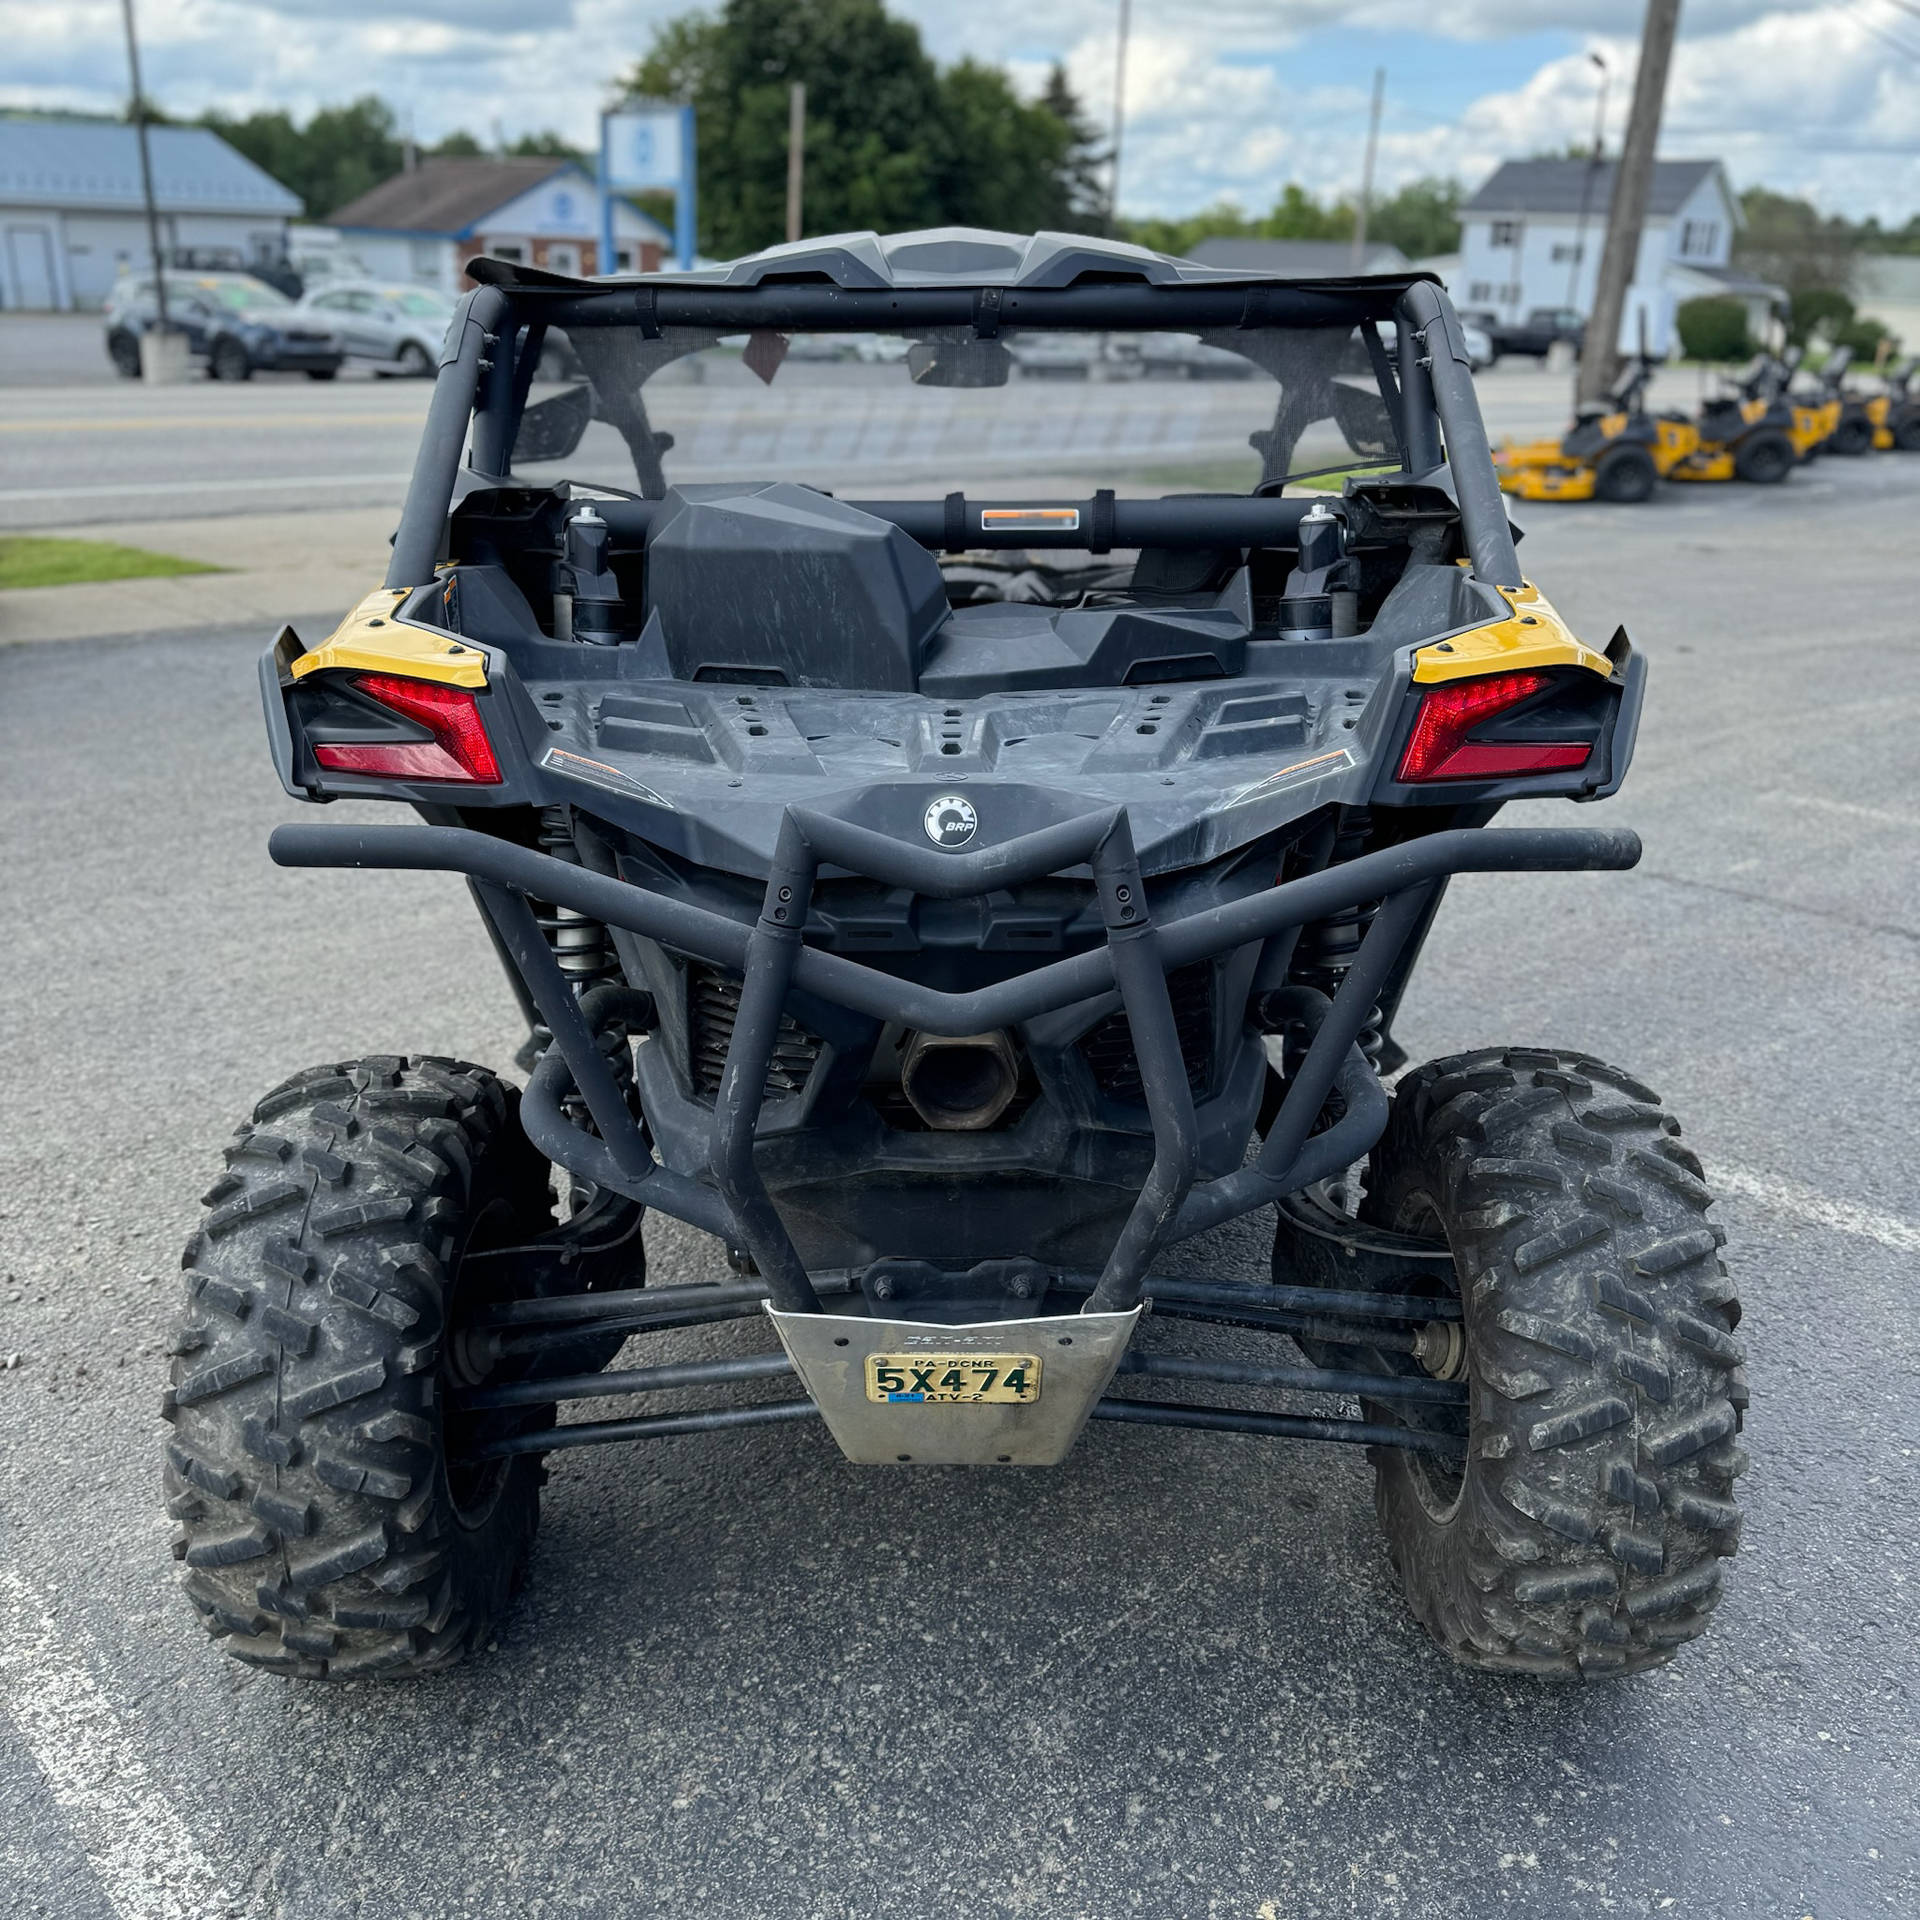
(1224, 99)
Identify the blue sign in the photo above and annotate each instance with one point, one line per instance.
(646, 146)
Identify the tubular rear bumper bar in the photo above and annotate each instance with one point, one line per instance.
(1135, 959)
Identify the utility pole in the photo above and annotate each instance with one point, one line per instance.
(1632, 188)
(163, 325)
(1119, 115)
(1594, 158)
(1359, 261)
(796, 155)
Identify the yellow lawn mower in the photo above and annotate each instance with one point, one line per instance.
(1860, 420)
(1758, 433)
(1902, 416)
(1615, 450)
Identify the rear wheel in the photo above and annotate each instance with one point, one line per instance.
(415, 363)
(1581, 1531)
(228, 361)
(1906, 433)
(1764, 459)
(124, 351)
(333, 1518)
(1852, 437)
(1625, 475)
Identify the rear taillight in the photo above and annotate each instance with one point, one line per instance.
(459, 749)
(1440, 749)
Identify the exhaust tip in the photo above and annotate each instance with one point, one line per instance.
(960, 1085)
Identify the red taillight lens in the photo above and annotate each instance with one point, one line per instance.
(1440, 749)
(459, 749)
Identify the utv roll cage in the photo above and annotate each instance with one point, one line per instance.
(494, 343)
(485, 376)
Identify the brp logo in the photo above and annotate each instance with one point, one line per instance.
(950, 821)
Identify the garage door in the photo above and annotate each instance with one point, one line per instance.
(30, 267)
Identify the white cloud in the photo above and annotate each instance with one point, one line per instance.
(1232, 98)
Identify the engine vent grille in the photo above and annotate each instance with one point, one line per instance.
(713, 1005)
(1108, 1049)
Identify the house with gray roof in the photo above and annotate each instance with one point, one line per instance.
(73, 220)
(1532, 236)
(426, 224)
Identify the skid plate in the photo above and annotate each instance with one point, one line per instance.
(1077, 1352)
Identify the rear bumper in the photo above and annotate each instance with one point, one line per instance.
(730, 1196)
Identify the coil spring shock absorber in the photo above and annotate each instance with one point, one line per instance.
(580, 945)
(583, 953)
(1326, 947)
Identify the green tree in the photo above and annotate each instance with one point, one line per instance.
(1297, 215)
(1001, 163)
(546, 146)
(1222, 220)
(892, 142)
(1422, 219)
(1814, 310)
(337, 156)
(1081, 176)
(1791, 243)
(458, 145)
(873, 112)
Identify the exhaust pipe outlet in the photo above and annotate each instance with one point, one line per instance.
(960, 1086)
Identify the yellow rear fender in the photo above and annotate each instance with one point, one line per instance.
(373, 639)
(1531, 635)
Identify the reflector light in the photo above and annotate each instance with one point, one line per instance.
(459, 749)
(1440, 750)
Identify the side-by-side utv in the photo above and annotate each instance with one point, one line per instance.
(950, 902)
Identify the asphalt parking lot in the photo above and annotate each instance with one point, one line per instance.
(1173, 1677)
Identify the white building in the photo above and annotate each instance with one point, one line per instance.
(73, 219)
(1886, 287)
(1533, 235)
(426, 225)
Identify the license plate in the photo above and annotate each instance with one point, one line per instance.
(957, 1379)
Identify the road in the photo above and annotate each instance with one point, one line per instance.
(1172, 1678)
(74, 455)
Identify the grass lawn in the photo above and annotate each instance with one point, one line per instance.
(37, 560)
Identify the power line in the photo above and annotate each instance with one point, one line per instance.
(1888, 39)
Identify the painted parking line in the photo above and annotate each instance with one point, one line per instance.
(147, 1863)
(1808, 1203)
(1851, 809)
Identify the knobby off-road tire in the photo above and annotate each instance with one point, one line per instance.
(324, 1532)
(1583, 1533)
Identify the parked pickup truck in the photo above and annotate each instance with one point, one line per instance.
(1535, 335)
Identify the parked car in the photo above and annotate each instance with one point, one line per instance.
(1185, 356)
(235, 324)
(878, 349)
(819, 346)
(1075, 356)
(1536, 336)
(396, 329)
